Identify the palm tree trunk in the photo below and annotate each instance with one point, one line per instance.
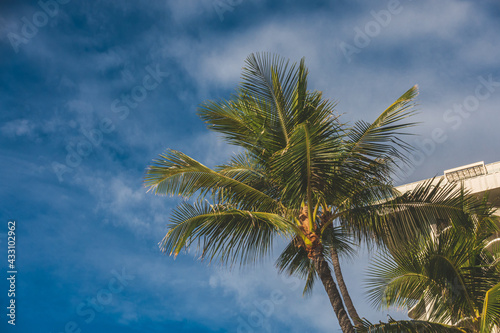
(343, 288)
(333, 294)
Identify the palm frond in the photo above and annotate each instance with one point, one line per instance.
(381, 139)
(272, 79)
(245, 121)
(408, 326)
(490, 316)
(294, 261)
(223, 233)
(399, 220)
(175, 173)
(399, 282)
(306, 164)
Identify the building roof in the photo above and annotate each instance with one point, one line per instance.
(477, 177)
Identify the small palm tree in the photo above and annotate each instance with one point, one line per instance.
(303, 175)
(450, 280)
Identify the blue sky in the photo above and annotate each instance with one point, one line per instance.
(93, 91)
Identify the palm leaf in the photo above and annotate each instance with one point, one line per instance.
(175, 173)
(408, 326)
(490, 316)
(294, 261)
(380, 139)
(272, 79)
(245, 121)
(403, 218)
(224, 233)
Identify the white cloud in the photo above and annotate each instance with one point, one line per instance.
(482, 51)
(18, 127)
(184, 12)
(219, 61)
(260, 293)
(31, 129)
(189, 9)
(128, 312)
(123, 201)
(253, 289)
(436, 18)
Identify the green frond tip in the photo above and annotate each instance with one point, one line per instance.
(410, 93)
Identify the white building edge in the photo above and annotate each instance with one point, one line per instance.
(478, 178)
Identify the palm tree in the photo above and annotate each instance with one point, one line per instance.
(302, 175)
(450, 279)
